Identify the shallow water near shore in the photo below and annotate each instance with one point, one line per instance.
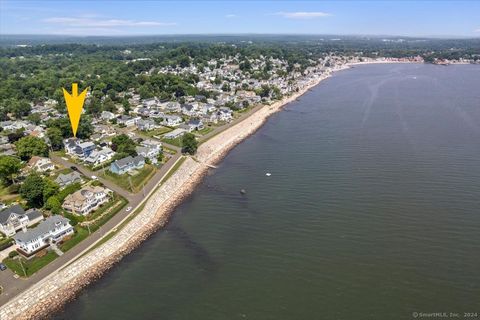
(372, 211)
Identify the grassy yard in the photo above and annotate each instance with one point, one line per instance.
(137, 181)
(79, 235)
(31, 266)
(205, 130)
(156, 132)
(176, 142)
(9, 194)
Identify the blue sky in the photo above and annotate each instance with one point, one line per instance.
(420, 18)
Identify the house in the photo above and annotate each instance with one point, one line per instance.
(40, 164)
(152, 144)
(188, 109)
(196, 124)
(84, 149)
(225, 114)
(127, 121)
(107, 115)
(172, 120)
(86, 200)
(185, 127)
(64, 180)
(127, 164)
(98, 157)
(150, 152)
(149, 103)
(146, 125)
(175, 133)
(14, 218)
(52, 230)
(79, 149)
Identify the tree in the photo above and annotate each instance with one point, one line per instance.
(31, 146)
(32, 190)
(9, 168)
(160, 157)
(50, 188)
(54, 134)
(190, 143)
(124, 146)
(54, 205)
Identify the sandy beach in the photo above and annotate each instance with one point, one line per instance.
(51, 293)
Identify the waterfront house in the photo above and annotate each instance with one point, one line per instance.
(85, 200)
(14, 218)
(127, 164)
(150, 152)
(225, 114)
(64, 180)
(195, 124)
(52, 230)
(175, 133)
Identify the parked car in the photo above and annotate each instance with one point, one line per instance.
(74, 168)
(3, 267)
(128, 209)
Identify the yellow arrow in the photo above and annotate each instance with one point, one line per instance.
(74, 106)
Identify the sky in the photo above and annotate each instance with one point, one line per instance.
(124, 17)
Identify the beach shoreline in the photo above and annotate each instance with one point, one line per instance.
(54, 291)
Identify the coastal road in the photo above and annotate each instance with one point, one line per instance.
(12, 286)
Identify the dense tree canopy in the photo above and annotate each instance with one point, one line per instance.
(29, 146)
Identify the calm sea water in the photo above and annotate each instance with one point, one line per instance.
(372, 211)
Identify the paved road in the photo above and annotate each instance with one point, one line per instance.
(12, 286)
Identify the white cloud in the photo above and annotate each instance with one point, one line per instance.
(229, 16)
(303, 14)
(87, 22)
(477, 30)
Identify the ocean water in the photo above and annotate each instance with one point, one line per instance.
(371, 211)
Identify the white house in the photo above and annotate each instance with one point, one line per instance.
(40, 164)
(175, 133)
(98, 157)
(53, 229)
(14, 218)
(86, 200)
(172, 120)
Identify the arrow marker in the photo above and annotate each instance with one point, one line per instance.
(74, 106)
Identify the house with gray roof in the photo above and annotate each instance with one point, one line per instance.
(14, 218)
(64, 180)
(127, 164)
(52, 230)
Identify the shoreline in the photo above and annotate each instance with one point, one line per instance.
(51, 293)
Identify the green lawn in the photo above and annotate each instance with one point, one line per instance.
(137, 181)
(81, 232)
(156, 132)
(205, 130)
(176, 142)
(31, 266)
(79, 235)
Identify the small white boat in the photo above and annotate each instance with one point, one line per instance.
(268, 174)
